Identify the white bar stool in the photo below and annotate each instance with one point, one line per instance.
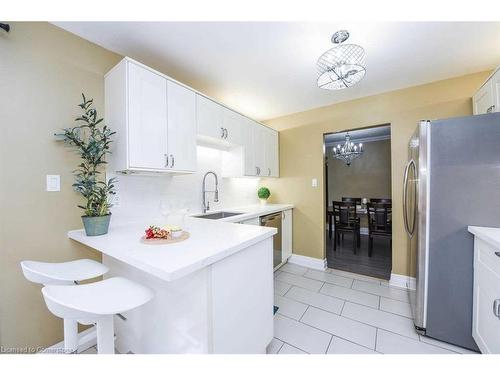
(65, 273)
(97, 302)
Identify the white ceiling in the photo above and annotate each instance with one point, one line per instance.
(266, 70)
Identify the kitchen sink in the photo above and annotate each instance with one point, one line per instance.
(218, 215)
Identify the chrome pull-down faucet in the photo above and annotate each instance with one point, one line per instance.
(206, 205)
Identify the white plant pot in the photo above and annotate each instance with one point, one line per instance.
(263, 202)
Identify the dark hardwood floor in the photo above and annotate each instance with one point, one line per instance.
(378, 265)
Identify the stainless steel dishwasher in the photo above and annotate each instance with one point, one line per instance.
(274, 221)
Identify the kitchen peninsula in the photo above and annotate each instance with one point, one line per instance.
(213, 291)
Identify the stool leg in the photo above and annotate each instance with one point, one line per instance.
(105, 335)
(70, 335)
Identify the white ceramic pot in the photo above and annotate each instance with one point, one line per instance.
(263, 202)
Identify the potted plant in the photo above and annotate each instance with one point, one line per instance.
(263, 193)
(91, 139)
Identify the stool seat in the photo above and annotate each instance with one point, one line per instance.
(91, 301)
(64, 273)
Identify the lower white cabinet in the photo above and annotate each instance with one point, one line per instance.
(486, 305)
(287, 234)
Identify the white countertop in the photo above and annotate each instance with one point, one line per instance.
(249, 212)
(209, 242)
(488, 234)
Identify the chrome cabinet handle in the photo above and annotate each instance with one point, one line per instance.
(173, 161)
(257, 169)
(225, 129)
(496, 308)
(222, 132)
(166, 160)
(490, 109)
(268, 171)
(497, 253)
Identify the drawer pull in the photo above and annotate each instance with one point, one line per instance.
(497, 253)
(496, 308)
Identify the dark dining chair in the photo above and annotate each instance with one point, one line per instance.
(381, 200)
(352, 200)
(379, 222)
(345, 221)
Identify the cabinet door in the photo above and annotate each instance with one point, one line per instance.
(483, 99)
(271, 152)
(147, 123)
(495, 88)
(286, 232)
(249, 168)
(209, 118)
(259, 134)
(233, 124)
(181, 127)
(486, 320)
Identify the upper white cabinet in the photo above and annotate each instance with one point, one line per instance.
(217, 123)
(181, 127)
(147, 119)
(154, 119)
(261, 154)
(158, 123)
(487, 98)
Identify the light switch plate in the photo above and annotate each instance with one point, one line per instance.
(53, 182)
(314, 182)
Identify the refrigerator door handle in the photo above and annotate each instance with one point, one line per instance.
(410, 233)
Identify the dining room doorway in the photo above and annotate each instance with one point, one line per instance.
(358, 201)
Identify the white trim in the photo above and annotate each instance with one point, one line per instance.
(314, 263)
(86, 340)
(402, 281)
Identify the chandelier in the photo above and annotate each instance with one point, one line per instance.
(342, 66)
(347, 151)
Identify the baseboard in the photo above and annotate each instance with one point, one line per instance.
(309, 262)
(86, 340)
(401, 281)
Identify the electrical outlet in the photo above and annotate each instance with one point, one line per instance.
(314, 183)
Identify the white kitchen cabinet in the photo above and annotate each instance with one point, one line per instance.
(486, 295)
(286, 234)
(154, 119)
(181, 127)
(147, 119)
(218, 123)
(487, 98)
(272, 153)
(209, 118)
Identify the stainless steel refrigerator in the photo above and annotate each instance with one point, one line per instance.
(452, 180)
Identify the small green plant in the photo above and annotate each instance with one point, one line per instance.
(91, 140)
(263, 193)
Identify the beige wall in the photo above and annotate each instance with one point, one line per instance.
(369, 176)
(301, 153)
(43, 71)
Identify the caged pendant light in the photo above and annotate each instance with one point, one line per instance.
(342, 66)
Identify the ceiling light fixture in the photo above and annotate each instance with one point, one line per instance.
(348, 151)
(342, 66)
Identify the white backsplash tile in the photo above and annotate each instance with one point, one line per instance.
(140, 195)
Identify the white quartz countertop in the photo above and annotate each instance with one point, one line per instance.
(250, 212)
(488, 234)
(209, 242)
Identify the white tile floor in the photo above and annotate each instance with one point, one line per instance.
(338, 312)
